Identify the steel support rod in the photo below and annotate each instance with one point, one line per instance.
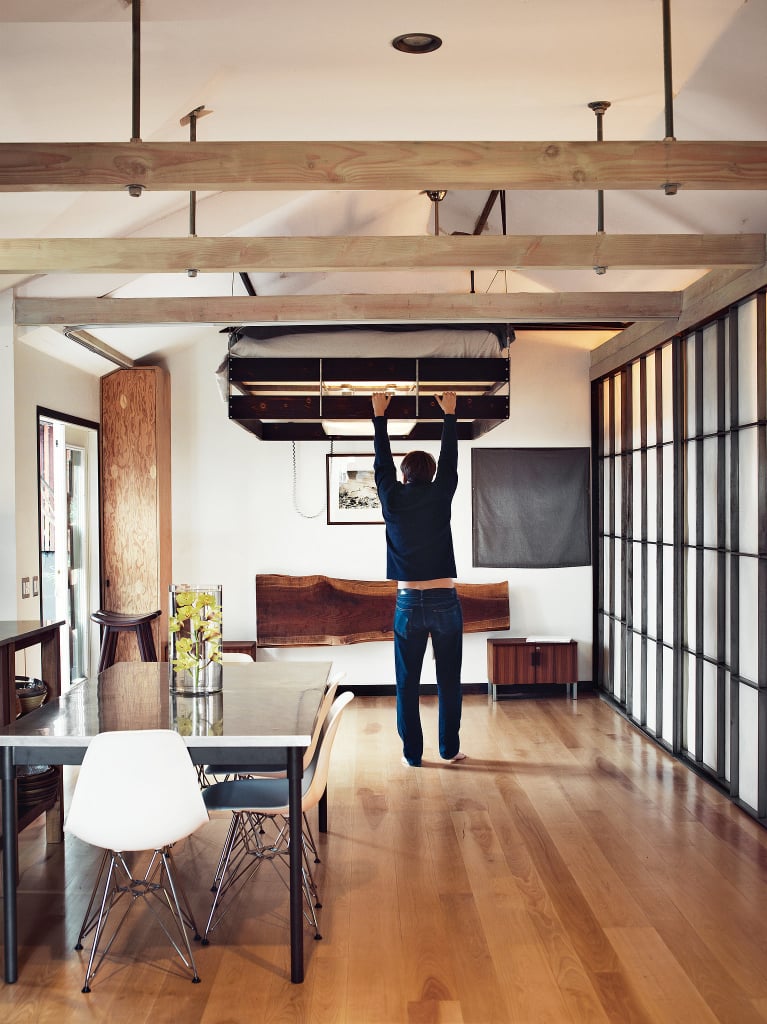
(136, 71)
(667, 82)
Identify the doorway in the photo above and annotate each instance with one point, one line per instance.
(68, 489)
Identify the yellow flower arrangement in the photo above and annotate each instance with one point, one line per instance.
(195, 632)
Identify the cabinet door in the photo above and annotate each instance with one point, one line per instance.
(555, 663)
(513, 664)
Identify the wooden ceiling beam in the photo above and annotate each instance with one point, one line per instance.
(404, 252)
(700, 302)
(253, 166)
(566, 307)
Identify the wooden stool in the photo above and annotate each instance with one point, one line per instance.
(114, 623)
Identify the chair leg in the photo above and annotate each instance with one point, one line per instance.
(309, 839)
(145, 640)
(178, 916)
(108, 648)
(241, 856)
(110, 897)
(157, 882)
(89, 921)
(243, 853)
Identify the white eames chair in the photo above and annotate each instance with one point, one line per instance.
(137, 790)
(267, 770)
(254, 801)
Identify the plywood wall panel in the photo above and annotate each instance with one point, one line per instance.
(135, 498)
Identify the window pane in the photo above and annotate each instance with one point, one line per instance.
(668, 493)
(748, 503)
(616, 392)
(709, 586)
(616, 661)
(711, 478)
(636, 697)
(688, 704)
(711, 383)
(747, 568)
(668, 594)
(636, 404)
(618, 580)
(652, 654)
(748, 759)
(690, 381)
(638, 493)
(691, 492)
(607, 573)
(691, 595)
(636, 616)
(668, 695)
(652, 494)
(652, 584)
(606, 417)
(747, 408)
(709, 715)
(667, 394)
(650, 364)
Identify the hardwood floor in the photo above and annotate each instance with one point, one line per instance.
(568, 871)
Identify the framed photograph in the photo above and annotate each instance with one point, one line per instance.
(352, 495)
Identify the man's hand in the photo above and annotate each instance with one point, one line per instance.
(447, 402)
(380, 403)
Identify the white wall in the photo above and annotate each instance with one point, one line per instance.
(8, 575)
(40, 380)
(233, 511)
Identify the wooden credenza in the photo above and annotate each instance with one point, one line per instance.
(17, 636)
(531, 661)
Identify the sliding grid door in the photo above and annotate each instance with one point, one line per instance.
(680, 467)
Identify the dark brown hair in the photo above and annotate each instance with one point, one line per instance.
(418, 468)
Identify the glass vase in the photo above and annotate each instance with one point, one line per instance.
(197, 714)
(194, 639)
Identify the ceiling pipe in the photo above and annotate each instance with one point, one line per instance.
(135, 189)
(671, 187)
(667, 82)
(136, 71)
(599, 107)
(191, 119)
(436, 196)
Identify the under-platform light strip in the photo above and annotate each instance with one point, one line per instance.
(358, 428)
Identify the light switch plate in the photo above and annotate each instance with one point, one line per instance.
(25, 587)
(35, 586)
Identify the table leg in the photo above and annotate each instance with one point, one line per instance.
(295, 818)
(322, 811)
(10, 863)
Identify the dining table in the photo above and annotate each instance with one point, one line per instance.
(266, 710)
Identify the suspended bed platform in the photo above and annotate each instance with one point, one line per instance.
(314, 384)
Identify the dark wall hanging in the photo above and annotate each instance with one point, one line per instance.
(530, 507)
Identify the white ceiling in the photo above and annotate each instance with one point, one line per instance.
(508, 70)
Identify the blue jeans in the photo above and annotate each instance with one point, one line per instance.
(419, 613)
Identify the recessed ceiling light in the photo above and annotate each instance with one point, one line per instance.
(417, 42)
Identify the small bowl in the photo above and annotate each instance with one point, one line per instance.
(31, 693)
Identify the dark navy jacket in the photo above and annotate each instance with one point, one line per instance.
(419, 542)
